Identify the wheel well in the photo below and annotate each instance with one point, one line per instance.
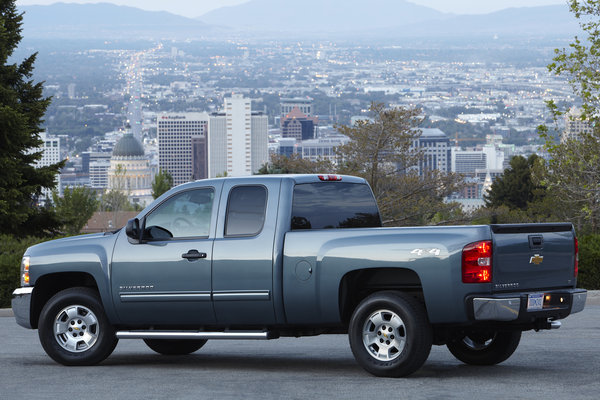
(48, 285)
(357, 285)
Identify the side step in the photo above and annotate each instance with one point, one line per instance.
(258, 335)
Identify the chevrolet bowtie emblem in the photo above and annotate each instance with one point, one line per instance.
(536, 259)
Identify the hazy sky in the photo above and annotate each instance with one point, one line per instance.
(195, 8)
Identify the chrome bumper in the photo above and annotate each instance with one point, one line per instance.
(21, 306)
(513, 306)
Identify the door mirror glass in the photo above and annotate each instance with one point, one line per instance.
(132, 229)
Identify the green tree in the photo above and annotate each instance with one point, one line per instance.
(163, 181)
(22, 107)
(75, 208)
(295, 164)
(515, 189)
(573, 171)
(381, 150)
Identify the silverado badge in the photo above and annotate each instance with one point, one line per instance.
(536, 259)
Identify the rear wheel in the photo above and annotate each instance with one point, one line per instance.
(390, 335)
(487, 348)
(74, 329)
(170, 347)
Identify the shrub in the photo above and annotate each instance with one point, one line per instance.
(11, 252)
(589, 262)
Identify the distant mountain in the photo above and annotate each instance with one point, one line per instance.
(321, 15)
(106, 21)
(545, 20)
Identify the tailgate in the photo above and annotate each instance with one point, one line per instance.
(533, 256)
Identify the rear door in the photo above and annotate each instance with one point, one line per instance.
(533, 256)
(242, 271)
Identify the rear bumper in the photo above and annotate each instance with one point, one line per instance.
(558, 304)
(21, 306)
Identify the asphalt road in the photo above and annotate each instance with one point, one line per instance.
(559, 364)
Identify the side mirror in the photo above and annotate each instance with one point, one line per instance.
(132, 230)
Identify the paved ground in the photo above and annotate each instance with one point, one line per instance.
(564, 363)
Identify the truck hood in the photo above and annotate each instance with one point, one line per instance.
(105, 239)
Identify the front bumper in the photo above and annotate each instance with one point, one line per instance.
(21, 306)
(558, 304)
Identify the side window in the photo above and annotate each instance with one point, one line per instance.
(246, 209)
(186, 214)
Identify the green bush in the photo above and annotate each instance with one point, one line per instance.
(589, 262)
(11, 252)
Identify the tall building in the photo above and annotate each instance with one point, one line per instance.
(176, 150)
(50, 149)
(304, 104)
(574, 125)
(436, 150)
(237, 140)
(467, 162)
(298, 125)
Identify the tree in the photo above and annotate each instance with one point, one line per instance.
(382, 150)
(294, 164)
(515, 189)
(163, 181)
(75, 208)
(573, 171)
(22, 107)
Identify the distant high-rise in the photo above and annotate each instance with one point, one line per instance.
(304, 104)
(237, 142)
(436, 150)
(50, 149)
(575, 125)
(180, 140)
(298, 125)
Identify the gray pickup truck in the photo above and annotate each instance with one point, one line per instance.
(297, 255)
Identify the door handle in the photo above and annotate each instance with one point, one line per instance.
(193, 255)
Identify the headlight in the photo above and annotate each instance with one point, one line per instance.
(25, 271)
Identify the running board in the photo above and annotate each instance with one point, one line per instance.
(258, 335)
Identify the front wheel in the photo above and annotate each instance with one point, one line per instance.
(390, 334)
(171, 347)
(486, 348)
(74, 329)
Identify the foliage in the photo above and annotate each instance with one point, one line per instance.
(22, 107)
(573, 171)
(115, 201)
(515, 189)
(11, 252)
(75, 208)
(381, 150)
(294, 164)
(589, 262)
(163, 181)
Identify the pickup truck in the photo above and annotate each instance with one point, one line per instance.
(264, 257)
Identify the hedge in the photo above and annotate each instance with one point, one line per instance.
(11, 252)
(589, 262)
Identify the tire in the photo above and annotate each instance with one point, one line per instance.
(174, 347)
(74, 329)
(485, 348)
(390, 335)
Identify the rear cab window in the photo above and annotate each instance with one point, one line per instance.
(334, 205)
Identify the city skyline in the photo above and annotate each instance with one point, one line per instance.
(200, 7)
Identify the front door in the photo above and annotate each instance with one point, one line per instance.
(166, 280)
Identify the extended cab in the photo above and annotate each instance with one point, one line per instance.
(294, 255)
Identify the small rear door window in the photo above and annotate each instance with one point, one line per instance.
(327, 205)
(246, 209)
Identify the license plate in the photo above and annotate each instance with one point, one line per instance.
(535, 301)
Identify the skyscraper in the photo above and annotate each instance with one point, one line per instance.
(177, 134)
(50, 149)
(237, 142)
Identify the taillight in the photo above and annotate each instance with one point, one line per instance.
(576, 258)
(330, 177)
(477, 262)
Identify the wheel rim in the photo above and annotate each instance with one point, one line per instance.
(384, 335)
(479, 343)
(76, 328)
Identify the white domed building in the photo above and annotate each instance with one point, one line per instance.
(130, 171)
